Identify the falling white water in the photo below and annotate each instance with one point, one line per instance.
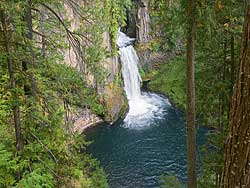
(144, 108)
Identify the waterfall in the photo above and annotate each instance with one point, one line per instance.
(130, 72)
(143, 107)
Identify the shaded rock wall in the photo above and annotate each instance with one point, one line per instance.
(110, 90)
(82, 119)
(70, 57)
(111, 64)
(143, 22)
(143, 31)
(145, 35)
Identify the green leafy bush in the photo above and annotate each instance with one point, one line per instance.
(170, 80)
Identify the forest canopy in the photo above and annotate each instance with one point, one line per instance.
(59, 64)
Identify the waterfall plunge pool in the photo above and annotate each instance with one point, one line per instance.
(137, 157)
(149, 142)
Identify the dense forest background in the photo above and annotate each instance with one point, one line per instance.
(59, 60)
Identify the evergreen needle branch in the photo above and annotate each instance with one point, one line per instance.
(75, 6)
(45, 147)
(35, 9)
(73, 40)
(38, 33)
(55, 174)
(70, 33)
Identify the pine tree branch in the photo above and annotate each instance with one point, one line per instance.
(71, 36)
(45, 147)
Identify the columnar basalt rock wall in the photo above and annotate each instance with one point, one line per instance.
(111, 93)
(143, 31)
(112, 90)
(140, 26)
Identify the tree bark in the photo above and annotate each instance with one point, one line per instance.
(30, 60)
(43, 19)
(28, 20)
(232, 65)
(11, 70)
(191, 138)
(236, 172)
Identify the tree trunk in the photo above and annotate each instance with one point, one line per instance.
(236, 172)
(232, 65)
(30, 61)
(28, 20)
(11, 70)
(191, 139)
(43, 19)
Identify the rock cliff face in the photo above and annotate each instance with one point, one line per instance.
(139, 26)
(70, 57)
(143, 31)
(111, 64)
(83, 119)
(110, 90)
(143, 22)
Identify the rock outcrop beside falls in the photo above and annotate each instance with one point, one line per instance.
(109, 90)
(112, 92)
(83, 119)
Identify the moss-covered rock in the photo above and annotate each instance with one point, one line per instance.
(115, 102)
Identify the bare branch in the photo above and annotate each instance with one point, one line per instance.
(45, 147)
(51, 170)
(76, 7)
(40, 34)
(71, 36)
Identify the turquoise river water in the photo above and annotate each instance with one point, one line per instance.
(137, 157)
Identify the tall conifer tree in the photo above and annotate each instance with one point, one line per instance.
(236, 171)
(191, 140)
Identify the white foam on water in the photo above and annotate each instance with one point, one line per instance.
(144, 108)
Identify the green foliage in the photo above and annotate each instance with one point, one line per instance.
(218, 37)
(45, 94)
(170, 181)
(212, 160)
(170, 80)
(167, 23)
(39, 178)
(116, 15)
(142, 73)
(216, 25)
(7, 167)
